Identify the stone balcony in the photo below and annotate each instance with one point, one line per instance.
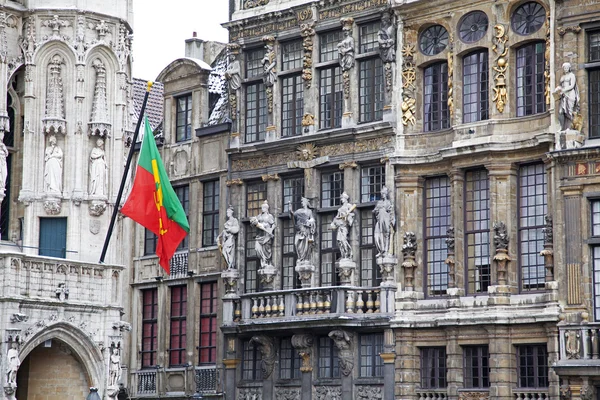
(579, 349)
(53, 280)
(315, 307)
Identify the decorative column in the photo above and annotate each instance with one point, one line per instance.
(407, 373)
(269, 62)
(454, 363)
(572, 236)
(500, 293)
(230, 364)
(303, 345)
(346, 50)
(387, 52)
(310, 92)
(343, 341)
(389, 363)
(502, 366)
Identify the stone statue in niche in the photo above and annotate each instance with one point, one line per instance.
(233, 72)
(305, 228)
(385, 223)
(3, 163)
(114, 370)
(98, 170)
(346, 48)
(13, 364)
(265, 223)
(568, 98)
(342, 223)
(53, 167)
(387, 38)
(227, 239)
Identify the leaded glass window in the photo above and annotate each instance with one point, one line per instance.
(528, 18)
(473, 26)
(433, 40)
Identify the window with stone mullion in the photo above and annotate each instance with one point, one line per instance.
(433, 367)
(475, 87)
(207, 347)
(331, 97)
(256, 194)
(289, 277)
(251, 360)
(149, 327)
(210, 213)
(293, 190)
(476, 367)
(150, 242)
(477, 231)
(370, 275)
(533, 206)
(252, 261)
(330, 253)
(371, 88)
(531, 84)
(183, 127)
(332, 186)
(292, 104)
(327, 360)
(256, 112)
(593, 39)
(183, 194)
(532, 366)
(437, 222)
(370, 363)
(177, 346)
(289, 360)
(595, 250)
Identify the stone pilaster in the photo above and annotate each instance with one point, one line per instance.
(304, 344)
(230, 373)
(572, 237)
(407, 372)
(457, 187)
(389, 362)
(553, 355)
(410, 191)
(454, 363)
(502, 363)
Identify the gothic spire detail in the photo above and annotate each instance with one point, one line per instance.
(54, 120)
(99, 122)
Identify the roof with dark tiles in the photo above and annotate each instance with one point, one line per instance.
(154, 107)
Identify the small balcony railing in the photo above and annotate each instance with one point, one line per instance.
(579, 342)
(530, 394)
(179, 265)
(146, 382)
(432, 394)
(312, 301)
(206, 380)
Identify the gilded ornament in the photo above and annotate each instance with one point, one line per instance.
(267, 177)
(308, 119)
(547, 61)
(562, 30)
(409, 76)
(307, 151)
(450, 100)
(232, 182)
(348, 164)
(307, 31)
(501, 50)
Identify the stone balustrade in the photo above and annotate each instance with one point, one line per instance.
(310, 301)
(60, 280)
(530, 394)
(432, 394)
(579, 342)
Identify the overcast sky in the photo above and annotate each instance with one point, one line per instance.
(160, 29)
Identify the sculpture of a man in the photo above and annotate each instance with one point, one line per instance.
(265, 223)
(3, 163)
(305, 228)
(98, 170)
(342, 223)
(346, 50)
(114, 370)
(569, 98)
(53, 159)
(228, 237)
(233, 72)
(269, 62)
(385, 222)
(13, 364)
(387, 38)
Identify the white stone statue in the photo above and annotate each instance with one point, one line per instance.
(98, 170)
(114, 370)
(228, 237)
(265, 222)
(13, 364)
(3, 164)
(305, 228)
(342, 223)
(569, 98)
(53, 168)
(346, 50)
(233, 72)
(269, 62)
(385, 222)
(386, 38)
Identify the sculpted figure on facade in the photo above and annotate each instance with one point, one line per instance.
(265, 223)
(3, 163)
(387, 38)
(385, 223)
(346, 46)
(269, 62)
(305, 228)
(53, 159)
(234, 70)
(13, 364)
(569, 98)
(343, 342)
(267, 350)
(342, 223)
(114, 370)
(98, 170)
(228, 238)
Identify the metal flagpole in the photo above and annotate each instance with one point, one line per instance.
(127, 165)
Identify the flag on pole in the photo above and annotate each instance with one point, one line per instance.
(153, 203)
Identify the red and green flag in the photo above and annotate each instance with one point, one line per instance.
(153, 203)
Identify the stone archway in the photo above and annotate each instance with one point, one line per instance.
(73, 362)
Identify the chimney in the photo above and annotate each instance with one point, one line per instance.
(194, 47)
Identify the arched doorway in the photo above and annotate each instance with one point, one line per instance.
(52, 370)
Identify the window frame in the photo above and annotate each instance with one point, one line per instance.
(429, 239)
(261, 196)
(439, 120)
(187, 113)
(183, 195)
(374, 345)
(211, 232)
(438, 353)
(251, 281)
(537, 95)
(538, 376)
(482, 370)
(150, 320)
(327, 352)
(481, 86)
(292, 126)
(251, 362)
(288, 255)
(208, 317)
(594, 242)
(370, 104)
(294, 360)
(592, 67)
(330, 109)
(177, 355)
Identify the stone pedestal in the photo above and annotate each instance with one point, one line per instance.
(305, 272)
(570, 139)
(345, 269)
(407, 300)
(347, 120)
(387, 265)
(270, 134)
(551, 294)
(112, 392)
(267, 276)
(454, 295)
(230, 280)
(10, 390)
(499, 295)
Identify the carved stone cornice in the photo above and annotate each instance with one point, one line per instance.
(267, 177)
(348, 164)
(232, 182)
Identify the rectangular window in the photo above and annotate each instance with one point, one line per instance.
(293, 190)
(532, 210)
(594, 102)
(477, 231)
(289, 360)
(372, 179)
(254, 66)
(475, 87)
(252, 261)
(595, 206)
(328, 42)
(53, 237)
(292, 105)
(291, 55)
(531, 84)
(332, 185)
(435, 98)
(183, 194)
(328, 366)
(184, 118)
(532, 366)
(256, 194)
(256, 112)
(150, 242)
(368, 37)
(370, 275)
(289, 279)
(433, 367)
(476, 367)
(370, 363)
(149, 327)
(437, 222)
(331, 98)
(371, 89)
(207, 348)
(330, 253)
(210, 213)
(594, 46)
(251, 361)
(177, 347)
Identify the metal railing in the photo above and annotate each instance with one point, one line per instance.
(146, 382)
(206, 380)
(179, 265)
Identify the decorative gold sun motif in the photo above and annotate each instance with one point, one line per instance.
(307, 151)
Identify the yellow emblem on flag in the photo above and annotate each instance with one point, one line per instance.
(158, 195)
